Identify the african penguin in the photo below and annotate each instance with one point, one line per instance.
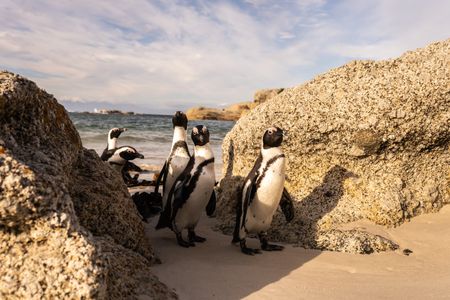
(261, 193)
(178, 158)
(113, 135)
(122, 156)
(191, 192)
(111, 147)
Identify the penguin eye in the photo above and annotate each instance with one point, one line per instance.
(270, 131)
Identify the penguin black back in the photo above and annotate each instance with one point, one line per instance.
(130, 153)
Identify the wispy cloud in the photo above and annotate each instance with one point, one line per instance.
(167, 55)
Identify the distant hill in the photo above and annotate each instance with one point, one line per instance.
(234, 111)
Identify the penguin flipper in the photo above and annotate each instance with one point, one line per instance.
(287, 205)
(174, 199)
(211, 207)
(129, 166)
(107, 154)
(245, 197)
(246, 194)
(165, 217)
(237, 225)
(162, 177)
(180, 194)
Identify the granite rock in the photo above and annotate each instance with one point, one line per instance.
(262, 96)
(366, 141)
(68, 226)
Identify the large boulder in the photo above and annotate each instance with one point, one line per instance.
(68, 227)
(366, 141)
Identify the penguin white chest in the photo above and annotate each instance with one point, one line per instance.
(190, 212)
(116, 162)
(270, 185)
(176, 166)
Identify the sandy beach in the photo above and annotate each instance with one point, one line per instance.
(217, 270)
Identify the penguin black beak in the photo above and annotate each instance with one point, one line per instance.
(122, 129)
(138, 155)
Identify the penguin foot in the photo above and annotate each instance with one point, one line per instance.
(248, 251)
(182, 242)
(272, 247)
(193, 237)
(265, 244)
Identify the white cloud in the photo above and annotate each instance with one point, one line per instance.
(175, 55)
(385, 29)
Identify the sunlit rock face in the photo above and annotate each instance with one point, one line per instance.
(68, 228)
(366, 141)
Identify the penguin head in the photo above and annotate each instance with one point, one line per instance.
(200, 135)
(115, 132)
(273, 137)
(180, 119)
(129, 153)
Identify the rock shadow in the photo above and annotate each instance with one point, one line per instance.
(310, 230)
(229, 170)
(320, 202)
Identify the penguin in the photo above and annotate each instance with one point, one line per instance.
(111, 146)
(113, 135)
(121, 156)
(177, 161)
(191, 192)
(178, 158)
(262, 192)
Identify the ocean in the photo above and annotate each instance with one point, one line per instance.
(151, 135)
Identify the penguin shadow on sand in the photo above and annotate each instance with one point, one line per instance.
(253, 273)
(218, 269)
(320, 202)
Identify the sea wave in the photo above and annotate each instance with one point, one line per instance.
(126, 139)
(150, 135)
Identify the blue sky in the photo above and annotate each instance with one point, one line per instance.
(162, 56)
